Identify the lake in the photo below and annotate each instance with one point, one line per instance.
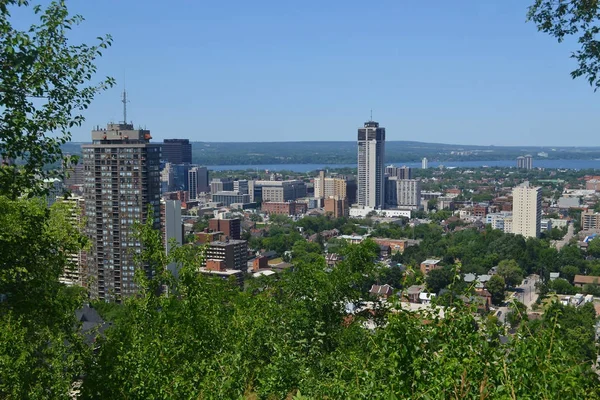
(553, 164)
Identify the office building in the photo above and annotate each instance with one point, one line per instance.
(241, 186)
(233, 252)
(351, 189)
(590, 220)
(231, 228)
(122, 183)
(197, 181)
(218, 268)
(527, 210)
(167, 178)
(177, 151)
(181, 176)
(74, 174)
(337, 207)
(424, 163)
(230, 197)
(525, 162)
(171, 228)
(221, 185)
(371, 154)
(277, 191)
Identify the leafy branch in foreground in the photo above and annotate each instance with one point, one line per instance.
(43, 91)
(564, 18)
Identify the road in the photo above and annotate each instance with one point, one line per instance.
(559, 244)
(525, 293)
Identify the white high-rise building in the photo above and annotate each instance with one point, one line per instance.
(527, 210)
(197, 181)
(424, 163)
(371, 152)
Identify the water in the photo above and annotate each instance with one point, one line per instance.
(553, 164)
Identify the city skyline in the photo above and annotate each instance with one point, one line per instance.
(472, 73)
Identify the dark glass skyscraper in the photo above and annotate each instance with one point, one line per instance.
(177, 151)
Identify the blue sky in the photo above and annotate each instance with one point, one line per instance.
(464, 71)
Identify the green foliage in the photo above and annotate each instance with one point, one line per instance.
(43, 92)
(568, 272)
(496, 286)
(594, 248)
(511, 272)
(518, 313)
(579, 18)
(561, 286)
(40, 350)
(439, 279)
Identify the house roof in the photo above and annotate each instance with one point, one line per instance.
(415, 289)
(381, 289)
(431, 261)
(584, 279)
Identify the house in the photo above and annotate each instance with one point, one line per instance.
(429, 265)
(414, 292)
(487, 299)
(384, 251)
(425, 298)
(480, 281)
(332, 259)
(581, 280)
(554, 275)
(381, 291)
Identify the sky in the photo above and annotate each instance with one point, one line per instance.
(464, 71)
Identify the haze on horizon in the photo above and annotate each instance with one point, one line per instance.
(466, 72)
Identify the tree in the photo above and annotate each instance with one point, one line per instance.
(511, 272)
(568, 272)
(439, 279)
(496, 286)
(43, 91)
(562, 286)
(518, 312)
(573, 18)
(594, 248)
(44, 87)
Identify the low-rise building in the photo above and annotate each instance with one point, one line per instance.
(429, 265)
(218, 268)
(285, 208)
(581, 280)
(233, 252)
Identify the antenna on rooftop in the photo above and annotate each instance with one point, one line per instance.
(371, 115)
(124, 101)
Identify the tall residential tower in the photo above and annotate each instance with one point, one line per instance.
(527, 210)
(371, 152)
(122, 183)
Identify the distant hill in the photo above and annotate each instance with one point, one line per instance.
(231, 153)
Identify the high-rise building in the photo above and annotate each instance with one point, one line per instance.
(371, 153)
(122, 182)
(277, 191)
(424, 163)
(329, 187)
(171, 227)
(181, 176)
(590, 220)
(404, 193)
(409, 193)
(167, 178)
(177, 151)
(527, 210)
(197, 181)
(525, 162)
(402, 172)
